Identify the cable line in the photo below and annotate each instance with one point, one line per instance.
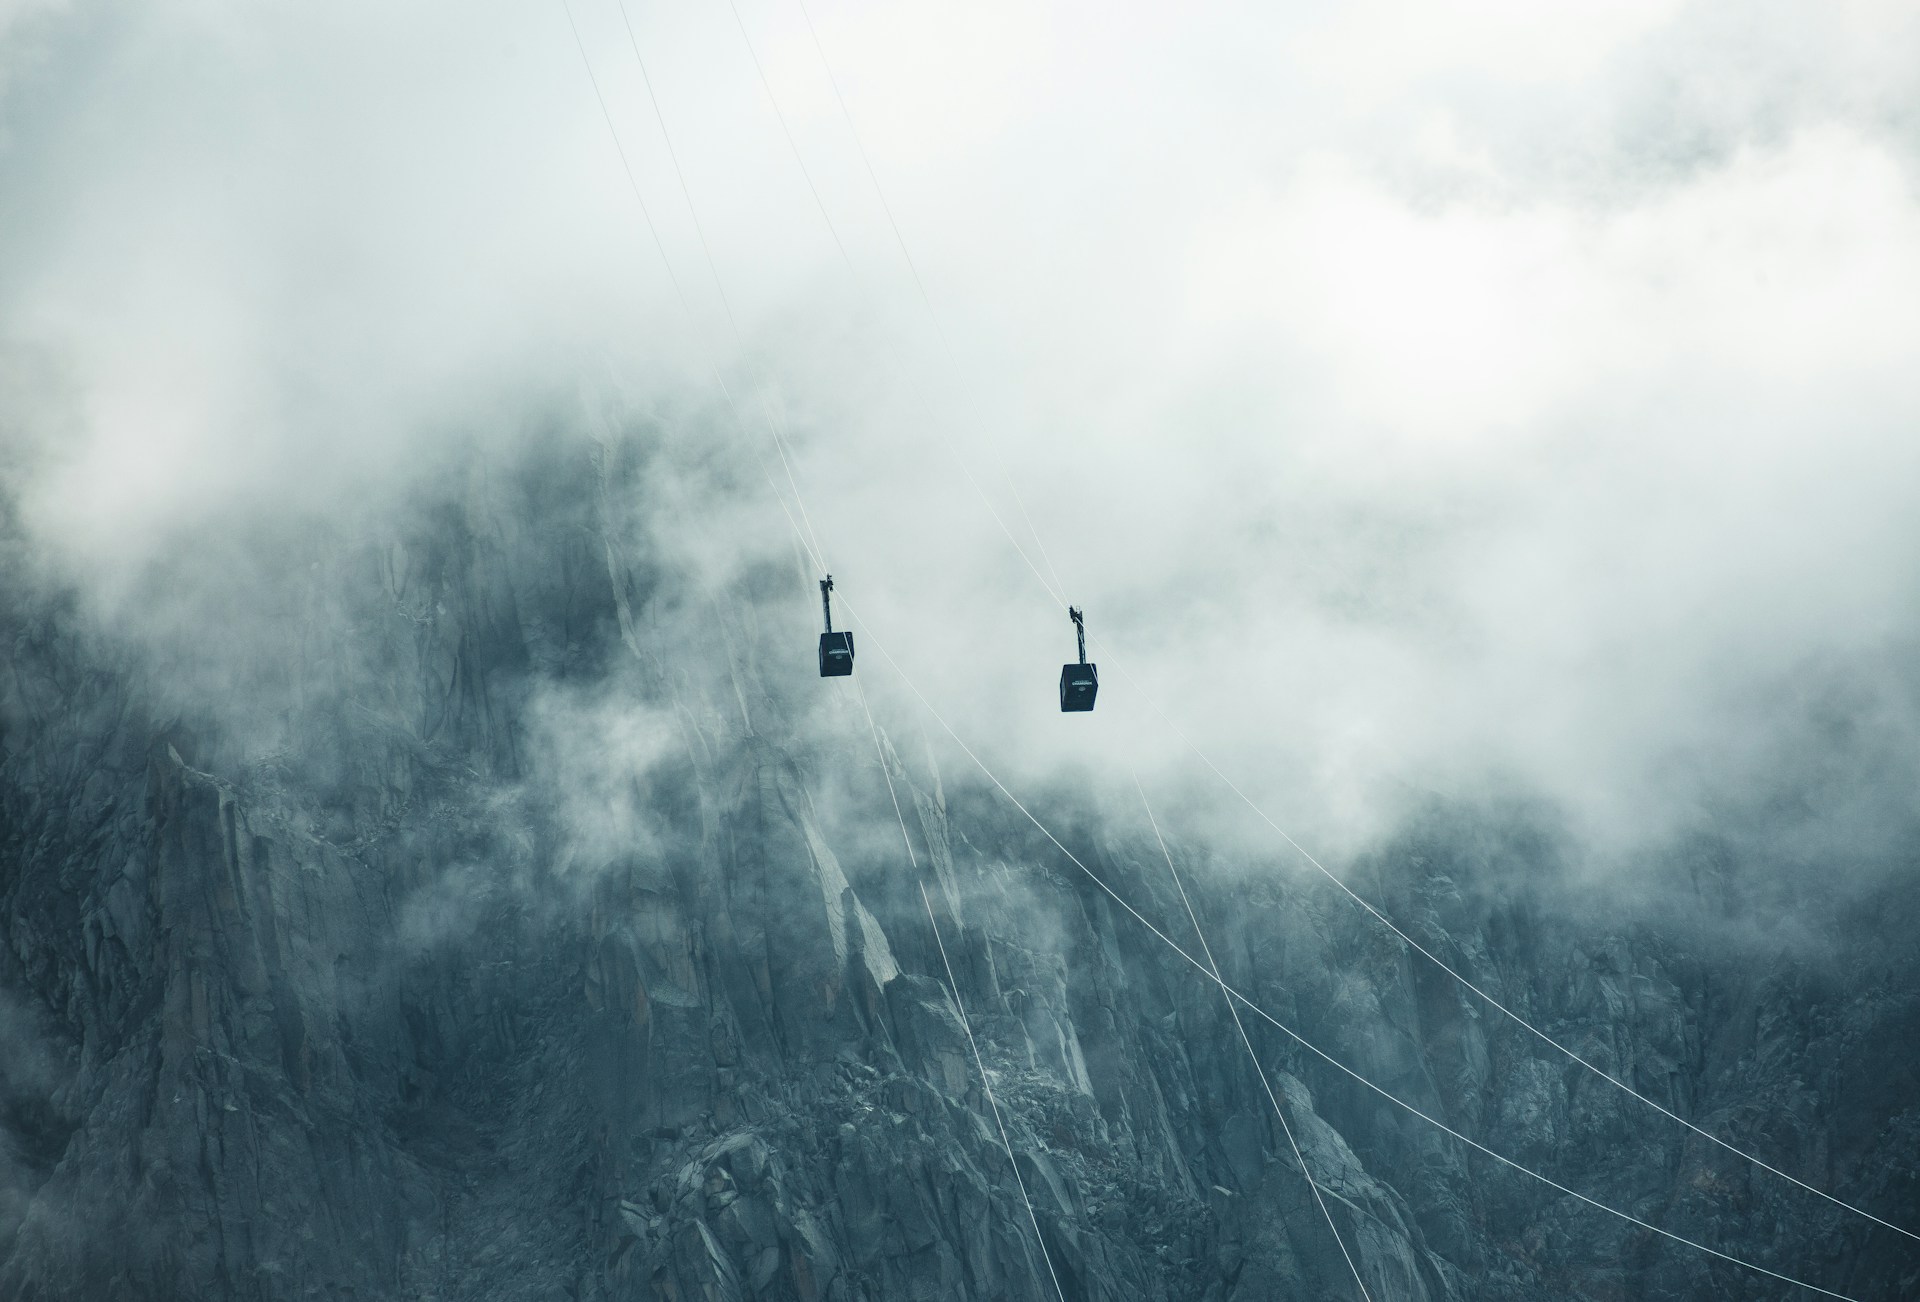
(686, 304)
(953, 990)
(1437, 961)
(1059, 589)
(626, 166)
(879, 754)
(673, 155)
(1269, 1018)
(720, 288)
(1056, 589)
(874, 177)
(853, 274)
(1213, 969)
(786, 131)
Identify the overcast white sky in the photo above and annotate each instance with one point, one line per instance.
(1413, 394)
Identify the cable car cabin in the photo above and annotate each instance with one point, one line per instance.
(836, 649)
(1079, 683)
(1078, 686)
(836, 655)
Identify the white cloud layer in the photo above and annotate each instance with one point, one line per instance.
(1415, 396)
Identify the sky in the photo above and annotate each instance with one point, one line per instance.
(1418, 398)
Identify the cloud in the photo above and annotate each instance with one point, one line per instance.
(1411, 403)
(594, 752)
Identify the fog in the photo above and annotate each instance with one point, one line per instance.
(1417, 404)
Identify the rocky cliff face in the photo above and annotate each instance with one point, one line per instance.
(485, 912)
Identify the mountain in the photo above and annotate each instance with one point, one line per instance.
(463, 903)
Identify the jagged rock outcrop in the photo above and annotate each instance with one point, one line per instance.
(478, 939)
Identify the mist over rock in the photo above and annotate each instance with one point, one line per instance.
(471, 900)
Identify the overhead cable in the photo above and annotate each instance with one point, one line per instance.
(953, 991)
(1213, 969)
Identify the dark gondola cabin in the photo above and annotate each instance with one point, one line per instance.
(1079, 683)
(836, 649)
(836, 655)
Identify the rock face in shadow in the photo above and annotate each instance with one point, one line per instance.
(518, 921)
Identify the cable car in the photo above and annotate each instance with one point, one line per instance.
(1080, 683)
(836, 649)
